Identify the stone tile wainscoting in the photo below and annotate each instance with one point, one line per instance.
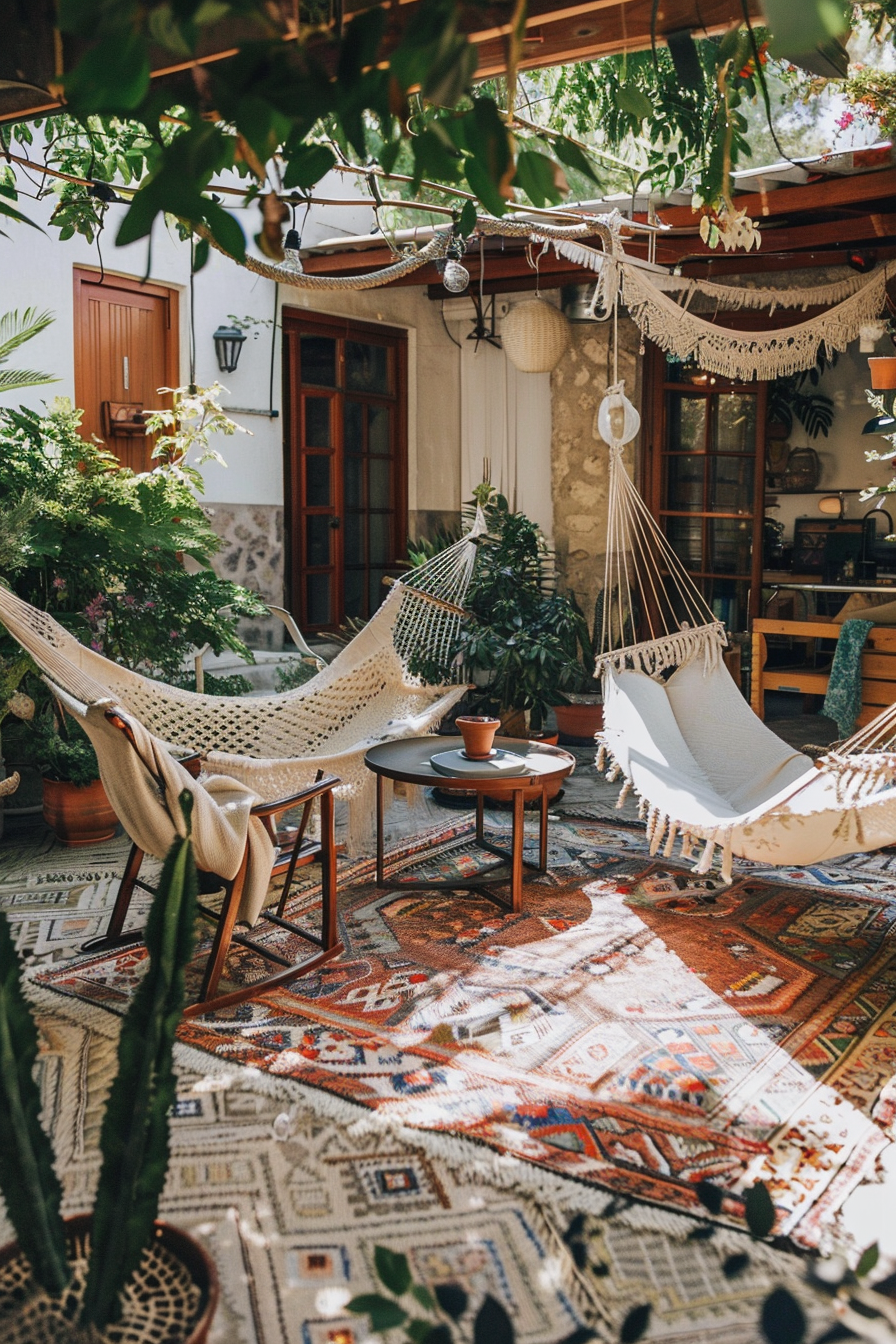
(252, 555)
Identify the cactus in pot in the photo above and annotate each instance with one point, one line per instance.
(134, 1137)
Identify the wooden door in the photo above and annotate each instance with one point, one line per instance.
(126, 348)
(345, 391)
(704, 480)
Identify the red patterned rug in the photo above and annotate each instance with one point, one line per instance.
(637, 1027)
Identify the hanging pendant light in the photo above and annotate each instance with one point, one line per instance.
(535, 334)
(228, 344)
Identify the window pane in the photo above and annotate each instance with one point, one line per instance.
(731, 484)
(685, 538)
(730, 544)
(366, 367)
(354, 539)
(318, 361)
(317, 422)
(317, 539)
(685, 482)
(379, 430)
(380, 476)
(353, 427)
(376, 588)
(354, 592)
(352, 473)
(317, 595)
(734, 423)
(380, 538)
(317, 479)
(687, 424)
(728, 600)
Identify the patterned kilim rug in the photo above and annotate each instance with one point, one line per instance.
(637, 1028)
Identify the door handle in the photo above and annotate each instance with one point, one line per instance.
(335, 522)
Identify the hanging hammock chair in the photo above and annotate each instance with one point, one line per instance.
(680, 734)
(276, 744)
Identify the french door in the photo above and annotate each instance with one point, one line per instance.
(705, 481)
(345, 397)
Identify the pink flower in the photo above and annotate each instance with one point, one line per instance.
(96, 646)
(175, 634)
(58, 583)
(845, 121)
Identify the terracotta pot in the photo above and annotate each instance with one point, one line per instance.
(546, 739)
(192, 1255)
(883, 372)
(478, 732)
(78, 814)
(577, 724)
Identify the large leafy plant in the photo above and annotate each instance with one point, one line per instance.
(524, 637)
(134, 1137)
(103, 548)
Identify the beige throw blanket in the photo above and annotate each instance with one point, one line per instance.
(143, 782)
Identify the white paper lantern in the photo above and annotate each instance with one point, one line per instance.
(535, 335)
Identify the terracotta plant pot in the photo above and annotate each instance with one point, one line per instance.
(546, 739)
(78, 814)
(478, 732)
(577, 724)
(883, 372)
(191, 1255)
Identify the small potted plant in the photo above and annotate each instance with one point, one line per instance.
(67, 1280)
(76, 807)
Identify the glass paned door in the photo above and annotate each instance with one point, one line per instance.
(706, 483)
(345, 466)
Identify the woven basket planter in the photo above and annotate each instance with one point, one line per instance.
(171, 1298)
(535, 336)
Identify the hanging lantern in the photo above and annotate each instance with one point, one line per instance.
(535, 336)
(228, 344)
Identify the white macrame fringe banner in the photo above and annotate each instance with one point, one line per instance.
(671, 650)
(743, 356)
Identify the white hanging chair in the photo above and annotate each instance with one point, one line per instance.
(680, 734)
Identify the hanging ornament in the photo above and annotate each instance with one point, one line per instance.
(617, 420)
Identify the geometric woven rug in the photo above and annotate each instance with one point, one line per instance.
(637, 1027)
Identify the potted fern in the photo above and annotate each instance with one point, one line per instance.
(69, 1281)
(76, 807)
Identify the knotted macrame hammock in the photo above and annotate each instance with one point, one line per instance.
(275, 744)
(679, 733)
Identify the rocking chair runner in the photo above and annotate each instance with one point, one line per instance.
(234, 840)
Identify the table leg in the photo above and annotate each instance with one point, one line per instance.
(543, 833)
(516, 852)
(380, 820)
(480, 816)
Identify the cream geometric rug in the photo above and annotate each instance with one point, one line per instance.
(292, 1220)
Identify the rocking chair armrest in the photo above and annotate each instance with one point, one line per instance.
(305, 795)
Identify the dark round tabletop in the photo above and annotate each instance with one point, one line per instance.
(409, 760)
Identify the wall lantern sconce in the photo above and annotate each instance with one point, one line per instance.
(228, 344)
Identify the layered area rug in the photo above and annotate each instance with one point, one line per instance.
(636, 1028)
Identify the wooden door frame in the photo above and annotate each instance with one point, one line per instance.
(111, 280)
(652, 437)
(298, 322)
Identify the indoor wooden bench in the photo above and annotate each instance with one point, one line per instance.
(878, 665)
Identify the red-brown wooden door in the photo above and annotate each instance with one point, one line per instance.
(345, 464)
(126, 348)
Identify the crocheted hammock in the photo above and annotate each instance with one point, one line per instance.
(678, 731)
(276, 743)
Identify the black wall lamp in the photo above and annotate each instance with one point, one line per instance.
(228, 344)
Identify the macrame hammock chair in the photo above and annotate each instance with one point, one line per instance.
(275, 744)
(680, 734)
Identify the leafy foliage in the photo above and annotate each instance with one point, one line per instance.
(61, 750)
(27, 1177)
(444, 1307)
(134, 1136)
(525, 637)
(789, 399)
(14, 331)
(103, 547)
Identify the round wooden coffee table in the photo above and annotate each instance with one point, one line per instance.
(409, 760)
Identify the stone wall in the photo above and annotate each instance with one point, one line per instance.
(579, 459)
(252, 555)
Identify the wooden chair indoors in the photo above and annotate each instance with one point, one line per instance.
(141, 778)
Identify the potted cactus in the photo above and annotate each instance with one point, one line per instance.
(69, 1280)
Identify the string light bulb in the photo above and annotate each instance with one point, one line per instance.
(456, 278)
(291, 259)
